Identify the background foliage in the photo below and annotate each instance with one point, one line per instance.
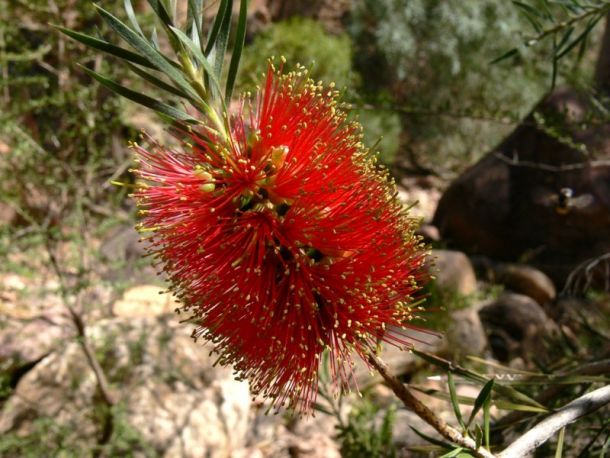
(417, 72)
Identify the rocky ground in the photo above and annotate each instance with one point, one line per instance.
(170, 398)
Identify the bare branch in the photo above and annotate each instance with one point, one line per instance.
(411, 402)
(543, 431)
(515, 162)
(79, 324)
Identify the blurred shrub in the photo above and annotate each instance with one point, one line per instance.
(301, 41)
(382, 130)
(436, 57)
(62, 135)
(364, 436)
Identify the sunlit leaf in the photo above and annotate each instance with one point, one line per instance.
(148, 51)
(240, 38)
(454, 400)
(483, 396)
(140, 98)
(106, 47)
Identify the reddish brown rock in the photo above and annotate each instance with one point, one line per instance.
(537, 196)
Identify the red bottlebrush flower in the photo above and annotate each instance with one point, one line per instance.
(283, 239)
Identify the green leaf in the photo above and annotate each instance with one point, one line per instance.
(142, 99)
(216, 26)
(161, 12)
(503, 367)
(104, 46)
(560, 441)
(454, 400)
(385, 432)
(506, 391)
(240, 38)
(564, 39)
(528, 9)
(148, 51)
(478, 435)
(156, 81)
(580, 38)
(166, 20)
(554, 65)
(453, 453)
(154, 39)
(499, 403)
(222, 39)
(320, 408)
(486, 417)
(131, 15)
(505, 56)
(432, 440)
(483, 396)
(196, 52)
(194, 19)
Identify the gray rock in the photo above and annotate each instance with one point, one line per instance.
(465, 334)
(454, 272)
(516, 326)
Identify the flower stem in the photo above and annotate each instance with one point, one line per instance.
(414, 404)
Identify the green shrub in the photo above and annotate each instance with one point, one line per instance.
(362, 437)
(301, 41)
(436, 57)
(382, 130)
(63, 135)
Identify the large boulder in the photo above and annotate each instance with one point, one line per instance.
(540, 195)
(453, 273)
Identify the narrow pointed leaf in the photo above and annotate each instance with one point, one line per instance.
(131, 15)
(194, 24)
(454, 400)
(564, 39)
(142, 99)
(240, 38)
(528, 8)
(197, 54)
(166, 20)
(154, 39)
(106, 47)
(505, 56)
(467, 400)
(156, 81)
(478, 436)
(581, 37)
(503, 367)
(432, 440)
(503, 390)
(487, 419)
(480, 400)
(161, 12)
(222, 40)
(224, 4)
(147, 50)
(453, 453)
(560, 441)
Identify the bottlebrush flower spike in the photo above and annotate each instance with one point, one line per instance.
(283, 239)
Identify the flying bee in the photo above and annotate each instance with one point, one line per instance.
(564, 200)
